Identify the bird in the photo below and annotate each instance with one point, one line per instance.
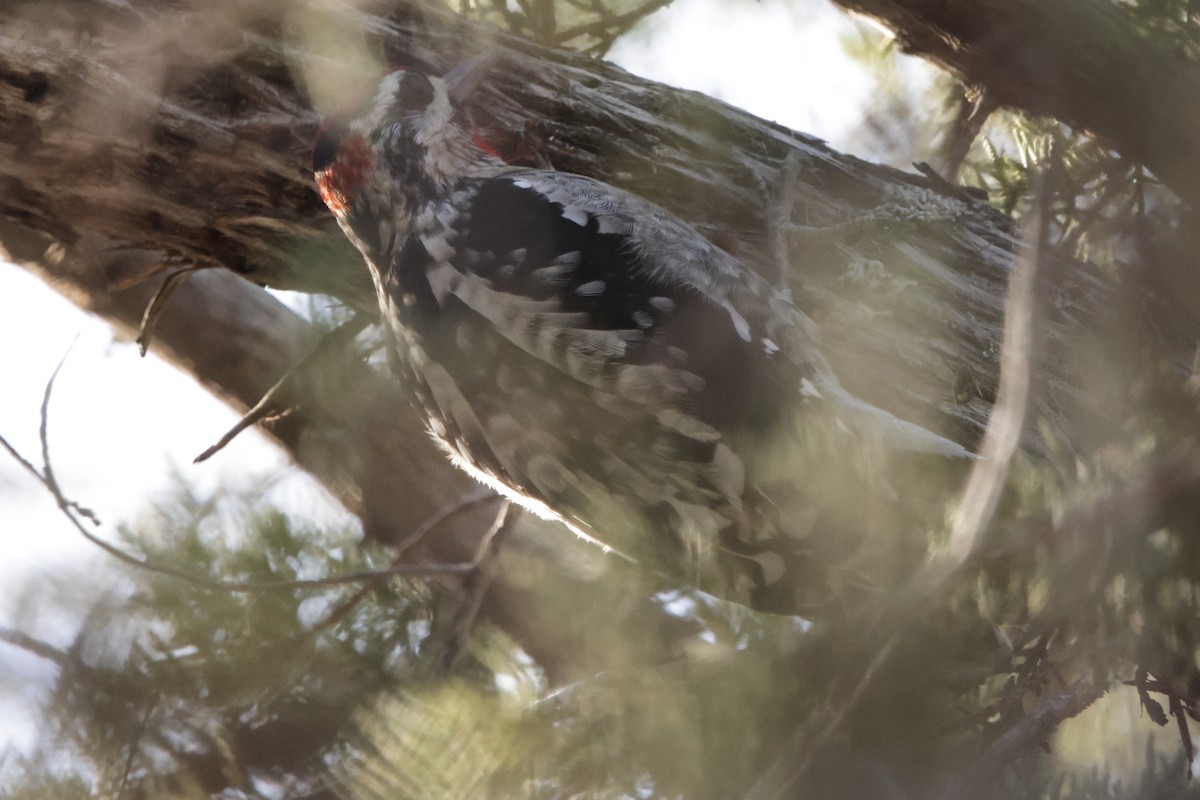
(587, 353)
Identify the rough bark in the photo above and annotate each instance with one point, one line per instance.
(196, 140)
(1082, 62)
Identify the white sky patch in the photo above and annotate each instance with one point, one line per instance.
(778, 59)
(119, 424)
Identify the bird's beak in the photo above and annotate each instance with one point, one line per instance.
(464, 79)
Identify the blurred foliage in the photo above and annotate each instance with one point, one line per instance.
(1089, 587)
(590, 26)
(39, 778)
(169, 689)
(913, 109)
(1132, 433)
(1171, 23)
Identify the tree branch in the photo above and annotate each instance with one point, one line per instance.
(1025, 735)
(1079, 61)
(212, 167)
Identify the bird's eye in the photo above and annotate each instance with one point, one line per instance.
(414, 93)
(329, 139)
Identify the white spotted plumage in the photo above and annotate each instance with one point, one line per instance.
(579, 347)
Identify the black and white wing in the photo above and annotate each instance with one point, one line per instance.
(583, 349)
(558, 359)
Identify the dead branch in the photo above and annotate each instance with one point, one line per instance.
(70, 508)
(155, 309)
(31, 645)
(268, 404)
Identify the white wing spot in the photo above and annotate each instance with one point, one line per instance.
(662, 303)
(521, 183)
(807, 389)
(590, 289)
(739, 322)
(769, 347)
(576, 215)
(642, 319)
(462, 338)
(553, 275)
(773, 567)
(438, 247)
(677, 353)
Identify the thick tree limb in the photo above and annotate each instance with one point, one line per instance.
(199, 142)
(1082, 62)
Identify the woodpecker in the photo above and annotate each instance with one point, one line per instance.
(584, 351)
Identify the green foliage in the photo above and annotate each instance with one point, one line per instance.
(1095, 563)
(34, 778)
(695, 726)
(913, 108)
(587, 25)
(1169, 23)
(170, 688)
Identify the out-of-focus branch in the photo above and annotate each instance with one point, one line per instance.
(31, 645)
(1002, 439)
(1082, 62)
(1027, 734)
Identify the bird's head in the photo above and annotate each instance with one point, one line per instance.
(412, 132)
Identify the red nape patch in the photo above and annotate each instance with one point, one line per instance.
(338, 182)
(483, 144)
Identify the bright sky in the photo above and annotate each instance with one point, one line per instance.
(121, 425)
(779, 59)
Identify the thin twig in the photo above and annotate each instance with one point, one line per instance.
(137, 737)
(621, 22)
(422, 530)
(972, 114)
(44, 435)
(811, 737)
(267, 406)
(975, 511)
(433, 522)
(780, 202)
(158, 303)
(20, 459)
(1002, 439)
(30, 645)
(477, 584)
(1185, 736)
(1177, 705)
(67, 507)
